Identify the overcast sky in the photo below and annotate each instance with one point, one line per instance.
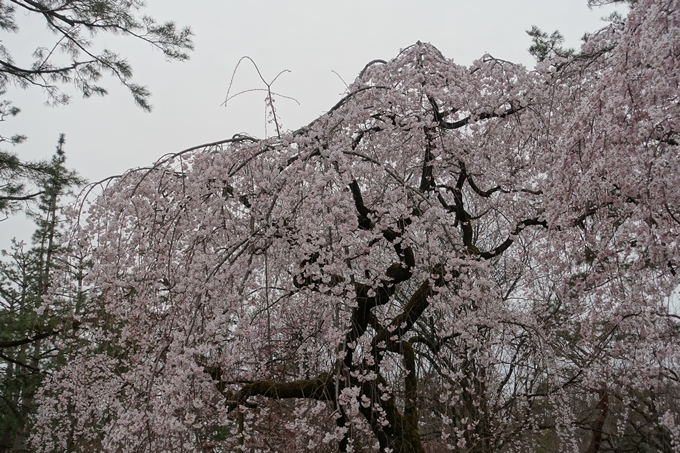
(313, 39)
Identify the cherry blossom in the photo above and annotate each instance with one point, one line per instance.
(473, 257)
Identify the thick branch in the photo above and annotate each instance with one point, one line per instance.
(415, 307)
(427, 177)
(40, 8)
(399, 435)
(40, 336)
(8, 67)
(19, 363)
(364, 221)
(478, 191)
(22, 198)
(462, 216)
(508, 242)
(361, 315)
(598, 423)
(410, 384)
(320, 388)
(482, 116)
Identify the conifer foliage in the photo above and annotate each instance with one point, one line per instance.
(452, 258)
(72, 57)
(25, 279)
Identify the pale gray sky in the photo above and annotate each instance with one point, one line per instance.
(311, 38)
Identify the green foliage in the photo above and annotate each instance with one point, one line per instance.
(15, 176)
(24, 181)
(25, 277)
(20, 376)
(546, 46)
(72, 59)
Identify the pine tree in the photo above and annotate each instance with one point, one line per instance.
(72, 58)
(25, 277)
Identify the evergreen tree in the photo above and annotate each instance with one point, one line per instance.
(546, 45)
(72, 58)
(25, 277)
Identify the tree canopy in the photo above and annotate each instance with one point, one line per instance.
(469, 258)
(25, 278)
(73, 58)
